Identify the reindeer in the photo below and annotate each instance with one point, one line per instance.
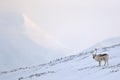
(101, 57)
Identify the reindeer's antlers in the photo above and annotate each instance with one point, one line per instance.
(96, 51)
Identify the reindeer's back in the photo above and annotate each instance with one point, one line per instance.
(103, 56)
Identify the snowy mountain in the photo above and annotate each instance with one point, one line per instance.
(16, 48)
(75, 67)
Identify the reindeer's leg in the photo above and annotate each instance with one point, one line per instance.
(105, 62)
(99, 63)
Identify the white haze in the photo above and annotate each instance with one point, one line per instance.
(75, 24)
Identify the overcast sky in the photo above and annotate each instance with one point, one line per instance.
(76, 24)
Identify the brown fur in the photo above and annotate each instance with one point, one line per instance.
(101, 57)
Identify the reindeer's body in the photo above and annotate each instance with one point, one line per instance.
(101, 57)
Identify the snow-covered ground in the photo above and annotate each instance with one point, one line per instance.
(75, 67)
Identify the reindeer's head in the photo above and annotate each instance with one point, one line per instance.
(95, 53)
(94, 56)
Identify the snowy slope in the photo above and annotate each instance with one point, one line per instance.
(74, 67)
(105, 43)
(21, 51)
